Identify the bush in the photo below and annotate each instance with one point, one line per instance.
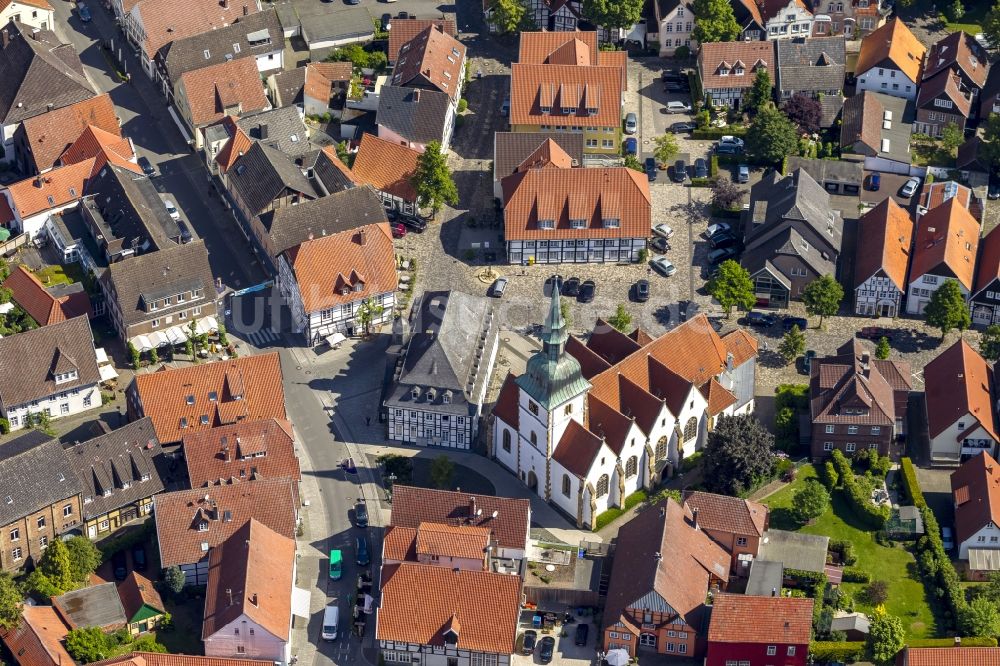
(713, 166)
(604, 519)
(636, 498)
(910, 485)
(830, 476)
(692, 461)
(874, 517)
(463, 104)
(717, 132)
(702, 182)
(4, 426)
(824, 652)
(877, 592)
(845, 550)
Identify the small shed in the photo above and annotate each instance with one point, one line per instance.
(905, 522)
(855, 625)
(805, 552)
(95, 606)
(142, 603)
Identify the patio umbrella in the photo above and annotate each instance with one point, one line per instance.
(616, 657)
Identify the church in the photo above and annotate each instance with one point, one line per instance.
(589, 423)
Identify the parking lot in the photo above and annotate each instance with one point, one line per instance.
(566, 650)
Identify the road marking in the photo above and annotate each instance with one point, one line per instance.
(261, 338)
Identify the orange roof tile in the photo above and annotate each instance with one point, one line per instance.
(30, 294)
(888, 233)
(412, 507)
(226, 509)
(948, 656)
(958, 382)
(59, 187)
(135, 592)
(400, 544)
(893, 42)
(386, 166)
(344, 267)
(976, 487)
(506, 407)
(538, 47)
(988, 268)
(165, 21)
(50, 134)
(740, 344)
(718, 396)
(238, 144)
(960, 50)
(565, 87)
(738, 618)
(250, 450)
(6, 214)
(403, 30)
(617, 59)
(211, 394)
(419, 602)
(37, 640)
(158, 659)
(947, 235)
(211, 91)
(104, 147)
(732, 515)
(714, 55)
(549, 154)
(452, 540)
(949, 84)
(431, 58)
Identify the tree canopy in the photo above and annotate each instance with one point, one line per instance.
(989, 343)
(793, 344)
(980, 617)
(10, 602)
(714, 21)
(811, 501)
(947, 308)
(508, 15)
(726, 195)
(804, 111)
(772, 136)
(731, 286)
(738, 455)
(759, 96)
(84, 558)
(665, 148)
(55, 564)
(613, 14)
(886, 637)
(882, 349)
(822, 297)
(432, 180)
(621, 319)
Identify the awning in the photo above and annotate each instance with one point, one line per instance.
(102, 356)
(984, 559)
(141, 343)
(335, 339)
(211, 325)
(175, 335)
(158, 339)
(200, 327)
(300, 602)
(107, 373)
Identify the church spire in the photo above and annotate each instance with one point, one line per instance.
(554, 336)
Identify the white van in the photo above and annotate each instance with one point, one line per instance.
(331, 620)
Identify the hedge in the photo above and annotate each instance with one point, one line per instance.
(713, 166)
(638, 497)
(717, 132)
(702, 182)
(604, 519)
(826, 651)
(936, 568)
(910, 483)
(874, 517)
(856, 575)
(950, 642)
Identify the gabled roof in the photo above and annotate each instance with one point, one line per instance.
(959, 382)
(332, 172)
(881, 122)
(95, 606)
(975, 487)
(732, 515)
(158, 659)
(50, 134)
(27, 359)
(386, 166)
(420, 603)
(224, 510)
(842, 381)
(59, 187)
(131, 210)
(404, 30)
(281, 129)
(988, 268)
(565, 87)
(28, 292)
(814, 63)
(164, 21)
(263, 173)
(506, 408)
(225, 392)
(769, 9)
(947, 237)
(104, 147)
(415, 114)
(947, 84)
(895, 45)
(578, 447)
(738, 618)
(431, 59)
(40, 74)
(139, 597)
(511, 149)
(248, 451)
(38, 638)
(34, 473)
(210, 92)
(250, 575)
(958, 51)
(335, 213)
(794, 203)
(888, 233)
(573, 47)
(977, 656)
(452, 541)
(754, 55)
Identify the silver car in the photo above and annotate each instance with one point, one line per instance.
(910, 187)
(631, 123)
(663, 266)
(678, 107)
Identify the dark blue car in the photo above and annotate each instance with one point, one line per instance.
(631, 146)
(650, 165)
(85, 15)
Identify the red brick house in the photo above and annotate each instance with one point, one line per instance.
(759, 631)
(735, 524)
(941, 101)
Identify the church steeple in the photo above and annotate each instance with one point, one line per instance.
(554, 336)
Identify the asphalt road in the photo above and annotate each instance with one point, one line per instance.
(142, 111)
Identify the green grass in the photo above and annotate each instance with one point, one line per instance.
(895, 565)
(53, 275)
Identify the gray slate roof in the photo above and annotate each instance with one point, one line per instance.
(794, 550)
(263, 173)
(815, 63)
(133, 209)
(37, 70)
(34, 473)
(163, 273)
(105, 463)
(281, 129)
(823, 171)
(339, 211)
(863, 121)
(28, 361)
(339, 24)
(510, 149)
(442, 351)
(188, 54)
(288, 86)
(96, 606)
(332, 173)
(412, 113)
(796, 197)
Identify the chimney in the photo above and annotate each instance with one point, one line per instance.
(866, 360)
(253, 599)
(472, 508)
(416, 95)
(262, 130)
(6, 37)
(774, 591)
(229, 593)
(39, 181)
(362, 238)
(225, 4)
(694, 517)
(729, 362)
(246, 11)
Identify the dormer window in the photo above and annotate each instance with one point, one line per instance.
(68, 376)
(591, 110)
(569, 109)
(359, 286)
(446, 397)
(739, 71)
(577, 224)
(154, 305)
(126, 485)
(107, 493)
(203, 526)
(546, 224)
(415, 393)
(545, 109)
(611, 223)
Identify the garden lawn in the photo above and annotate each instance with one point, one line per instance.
(895, 565)
(53, 275)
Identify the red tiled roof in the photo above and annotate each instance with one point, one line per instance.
(949, 656)
(413, 506)
(893, 42)
(246, 389)
(104, 147)
(888, 232)
(604, 423)
(211, 91)
(37, 640)
(741, 345)
(158, 659)
(320, 77)
(178, 515)
(50, 134)
(507, 409)
(959, 49)
(565, 86)
(976, 488)
(30, 294)
(712, 56)
(577, 448)
(718, 397)
(958, 382)
(452, 540)
(728, 514)
(840, 381)
(400, 544)
(135, 592)
(238, 144)
(420, 602)
(403, 30)
(947, 83)
(59, 187)
(431, 58)
(386, 166)
(591, 363)
(738, 618)
(6, 214)
(250, 450)
(988, 268)
(165, 21)
(947, 235)
(934, 194)
(536, 48)
(609, 343)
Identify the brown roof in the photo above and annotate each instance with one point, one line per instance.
(988, 267)
(565, 86)
(507, 408)
(959, 382)
(58, 187)
(137, 591)
(561, 47)
(959, 50)
(104, 147)
(593, 195)
(840, 382)
(740, 344)
(225, 511)
(946, 83)
(29, 361)
(752, 54)
(771, 8)
(320, 77)
(948, 656)
(738, 618)
(718, 396)
(893, 42)
(41, 4)
(164, 21)
(400, 544)
(224, 392)
(728, 514)
(403, 30)
(934, 194)
(238, 144)
(210, 91)
(947, 236)
(52, 133)
(386, 166)
(157, 659)
(609, 343)
(344, 267)
(688, 561)
(420, 602)
(888, 233)
(28, 292)
(862, 121)
(250, 575)
(548, 155)
(431, 58)
(578, 446)
(250, 450)
(976, 489)
(413, 506)
(452, 540)
(37, 640)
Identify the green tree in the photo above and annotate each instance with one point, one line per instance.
(830, 476)
(989, 343)
(432, 180)
(947, 308)
(154, 356)
(886, 637)
(989, 150)
(508, 15)
(565, 311)
(714, 21)
(89, 644)
(147, 643)
(57, 566)
(810, 501)
(771, 136)
(84, 557)
(133, 355)
(731, 286)
(793, 344)
(223, 337)
(882, 349)
(952, 137)
(613, 14)
(980, 617)
(39, 585)
(822, 297)
(665, 148)
(956, 11)
(632, 162)
(877, 592)
(174, 577)
(759, 96)
(10, 602)
(621, 319)
(738, 455)
(726, 195)
(369, 312)
(442, 469)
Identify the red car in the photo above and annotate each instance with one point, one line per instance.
(398, 230)
(876, 333)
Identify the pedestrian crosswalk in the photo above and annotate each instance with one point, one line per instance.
(263, 337)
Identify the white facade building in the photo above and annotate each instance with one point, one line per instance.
(792, 20)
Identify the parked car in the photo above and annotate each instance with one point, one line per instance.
(730, 140)
(664, 230)
(186, 236)
(677, 107)
(743, 174)
(663, 266)
(529, 642)
(910, 187)
(672, 75)
(717, 228)
(807, 360)
(631, 123)
(700, 168)
(947, 540)
(412, 222)
(139, 557)
(172, 210)
(876, 333)
(682, 128)
(505, 107)
(582, 630)
(587, 291)
(788, 322)
(386, 22)
(546, 647)
(761, 319)
(398, 230)
(993, 190)
(571, 287)
(650, 166)
(659, 244)
(119, 565)
(361, 515)
(718, 255)
(499, 286)
(146, 166)
(874, 181)
(641, 290)
(364, 557)
(728, 149)
(722, 239)
(84, 11)
(631, 146)
(680, 171)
